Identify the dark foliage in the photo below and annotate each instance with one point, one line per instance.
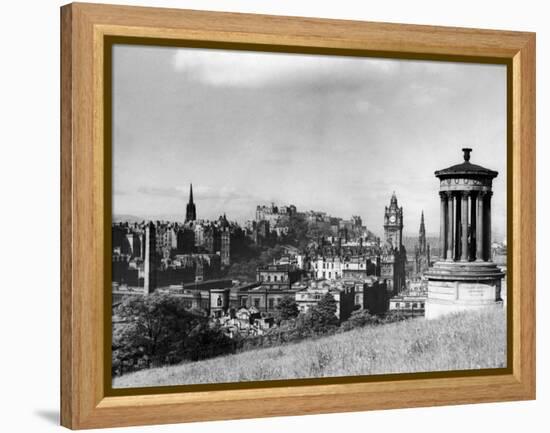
(360, 318)
(158, 330)
(320, 319)
(286, 310)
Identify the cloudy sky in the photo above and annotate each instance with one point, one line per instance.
(335, 134)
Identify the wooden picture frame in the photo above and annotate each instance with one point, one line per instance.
(85, 217)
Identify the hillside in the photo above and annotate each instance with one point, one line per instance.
(459, 342)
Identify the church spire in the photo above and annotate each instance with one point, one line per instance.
(191, 211)
(422, 234)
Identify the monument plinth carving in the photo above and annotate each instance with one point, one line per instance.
(464, 278)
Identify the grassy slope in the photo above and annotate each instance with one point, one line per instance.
(458, 342)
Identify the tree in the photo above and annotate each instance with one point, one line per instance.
(207, 341)
(287, 309)
(268, 255)
(153, 330)
(245, 270)
(320, 319)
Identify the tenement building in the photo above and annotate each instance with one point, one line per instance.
(464, 278)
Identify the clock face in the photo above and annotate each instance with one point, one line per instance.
(392, 219)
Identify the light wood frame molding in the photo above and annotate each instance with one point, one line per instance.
(84, 403)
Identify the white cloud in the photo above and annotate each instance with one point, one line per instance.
(254, 69)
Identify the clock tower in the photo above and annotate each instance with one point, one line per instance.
(393, 223)
(394, 255)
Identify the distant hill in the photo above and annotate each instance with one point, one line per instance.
(127, 218)
(134, 218)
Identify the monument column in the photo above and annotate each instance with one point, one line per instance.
(450, 225)
(488, 225)
(456, 225)
(464, 256)
(480, 234)
(442, 223)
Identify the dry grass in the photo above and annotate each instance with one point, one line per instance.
(459, 342)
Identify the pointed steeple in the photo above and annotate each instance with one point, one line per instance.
(393, 200)
(422, 234)
(191, 211)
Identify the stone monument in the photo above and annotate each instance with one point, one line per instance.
(464, 278)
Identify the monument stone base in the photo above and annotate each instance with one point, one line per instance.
(462, 286)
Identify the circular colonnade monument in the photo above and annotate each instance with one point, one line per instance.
(464, 278)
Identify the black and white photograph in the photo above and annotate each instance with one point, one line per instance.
(285, 216)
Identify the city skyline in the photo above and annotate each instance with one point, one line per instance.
(331, 134)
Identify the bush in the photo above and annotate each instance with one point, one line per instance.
(206, 342)
(360, 318)
(394, 316)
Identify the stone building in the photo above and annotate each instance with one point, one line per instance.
(309, 295)
(411, 305)
(225, 247)
(328, 267)
(275, 283)
(186, 239)
(265, 299)
(277, 276)
(394, 255)
(274, 213)
(464, 278)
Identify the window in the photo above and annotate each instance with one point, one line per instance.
(271, 302)
(329, 274)
(257, 302)
(274, 277)
(422, 305)
(269, 278)
(220, 301)
(397, 305)
(324, 274)
(415, 305)
(407, 305)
